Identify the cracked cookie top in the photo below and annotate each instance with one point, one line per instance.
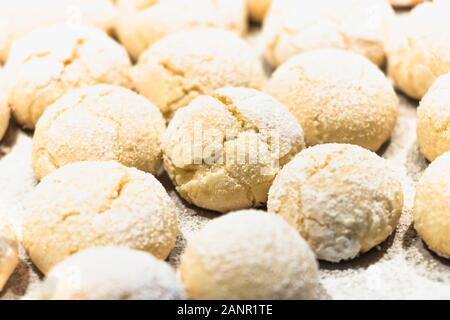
(182, 66)
(343, 199)
(99, 123)
(223, 150)
(47, 63)
(293, 27)
(97, 204)
(338, 97)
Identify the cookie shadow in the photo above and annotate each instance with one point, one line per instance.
(412, 241)
(18, 282)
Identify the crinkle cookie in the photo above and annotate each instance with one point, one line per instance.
(184, 65)
(433, 119)
(97, 204)
(143, 22)
(338, 97)
(432, 206)
(99, 123)
(343, 199)
(47, 63)
(419, 48)
(295, 26)
(223, 150)
(249, 255)
(20, 17)
(110, 273)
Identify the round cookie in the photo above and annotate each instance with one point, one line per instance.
(257, 9)
(20, 17)
(337, 96)
(97, 204)
(223, 150)
(47, 63)
(432, 206)
(143, 22)
(99, 123)
(249, 255)
(9, 252)
(185, 65)
(433, 117)
(343, 199)
(419, 49)
(110, 273)
(295, 26)
(4, 108)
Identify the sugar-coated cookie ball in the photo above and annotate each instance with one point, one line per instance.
(9, 251)
(47, 63)
(4, 107)
(110, 273)
(185, 65)
(99, 123)
(432, 206)
(433, 117)
(296, 26)
(249, 255)
(20, 17)
(337, 96)
(343, 199)
(143, 22)
(419, 50)
(223, 151)
(95, 204)
(257, 9)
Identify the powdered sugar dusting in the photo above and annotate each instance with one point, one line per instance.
(401, 267)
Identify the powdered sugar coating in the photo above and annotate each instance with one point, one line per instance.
(237, 123)
(110, 273)
(21, 17)
(419, 49)
(92, 204)
(182, 66)
(99, 123)
(338, 97)
(295, 26)
(432, 206)
(9, 251)
(47, 63)
(143, 22)
(343, 199)
(433, 119)
(249, 255)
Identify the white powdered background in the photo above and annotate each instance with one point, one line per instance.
(400, 268)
